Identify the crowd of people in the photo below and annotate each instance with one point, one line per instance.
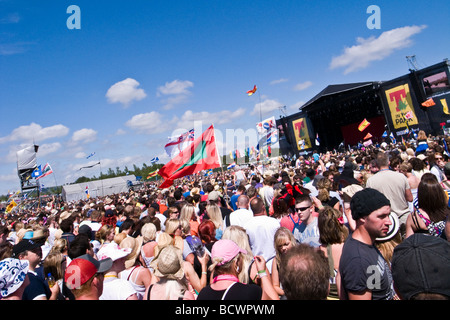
(366, 223)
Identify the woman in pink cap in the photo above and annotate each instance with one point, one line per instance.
(226, 266)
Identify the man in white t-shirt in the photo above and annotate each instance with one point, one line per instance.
(261, 230)
(241, 215)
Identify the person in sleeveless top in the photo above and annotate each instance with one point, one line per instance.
(430, 210)
(138, 275)
(333, 234)
(149, 243)
(283, 241)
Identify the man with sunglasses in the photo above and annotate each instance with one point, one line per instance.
(307, 231)
(437, 165)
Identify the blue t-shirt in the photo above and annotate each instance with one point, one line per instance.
(233, 201)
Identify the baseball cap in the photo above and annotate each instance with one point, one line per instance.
(83, 268)
(421, 264)
(24, 245)
(213, 196)
(226, 250)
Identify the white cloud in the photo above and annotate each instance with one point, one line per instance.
(177, 91)
(84, 136)
(225, 116)
(175, 87)
(150, 122)
(279, 81)
(48, 148)
(296, 106)
(171, 102)
(80, 155)
(303, 86)
(372, 49)
(34, 132)
(125, 92)
(266, 106)
(120, 132)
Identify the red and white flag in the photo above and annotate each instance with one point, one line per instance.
(178, 143)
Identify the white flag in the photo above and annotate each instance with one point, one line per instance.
(178, 143)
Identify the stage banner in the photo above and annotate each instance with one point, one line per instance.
(300, 129)
(401, 106)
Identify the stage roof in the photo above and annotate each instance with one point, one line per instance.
(335, 89)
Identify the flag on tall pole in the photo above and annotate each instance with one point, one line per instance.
(178, 143)
(46, 170)
(200, 155)
(251, 92)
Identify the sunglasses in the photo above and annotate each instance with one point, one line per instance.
(302, 209)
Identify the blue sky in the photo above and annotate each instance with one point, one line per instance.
(138, 71)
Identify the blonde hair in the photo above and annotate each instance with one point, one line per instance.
(102, 234)
(52, 264)
(59, 246)
(240, 237)
(281, 235)
(324, 186)
(148, 232)
(215, 215)
(172, 225)
(387, 247)
(187, 212)
(421, 135)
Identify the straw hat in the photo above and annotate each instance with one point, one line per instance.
(135, 246)
(170, 263)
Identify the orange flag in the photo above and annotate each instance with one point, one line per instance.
(363, 125)
(250, 92)
(429, 103)
(368, 136)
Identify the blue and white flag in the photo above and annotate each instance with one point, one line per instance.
(37, 172)
(154, 160)
(394, 141)
(91, 155)
(384, 135)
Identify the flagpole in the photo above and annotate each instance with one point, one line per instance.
(101, 180)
